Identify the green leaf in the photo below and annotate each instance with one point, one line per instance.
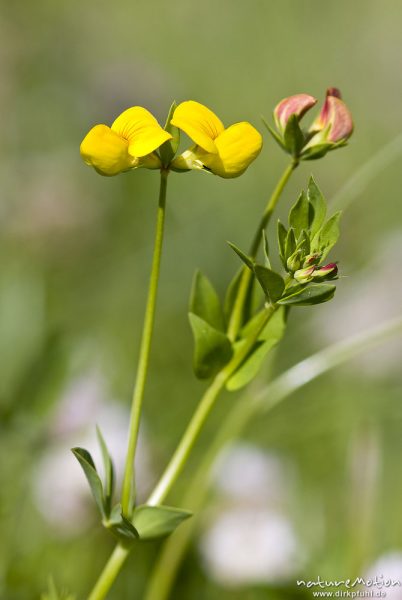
(319, 206)
(316, 151)
(270, 336)
(212, 348)
(153, 522)
(109, 472)
(293, 136)
(299, 217)
(265, 245)
(282, 233)
(274, 134)
(120, 526)
(231, 294)
(246, 259)
(88, 466)
(271, 282)
(168, 149)
(327, 236)
(315, 293)
(205, 303)
(290, 244)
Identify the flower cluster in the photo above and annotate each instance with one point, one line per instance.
(135, 137)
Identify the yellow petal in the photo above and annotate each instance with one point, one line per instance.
(141, 130)
(237, 147)
(106, 151)
(200, 124)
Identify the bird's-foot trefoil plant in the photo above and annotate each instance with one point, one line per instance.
(233, 335)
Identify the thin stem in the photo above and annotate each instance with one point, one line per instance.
(190, 436)
(165, 570)
(143, 361)
(109, 573)
(246, 277)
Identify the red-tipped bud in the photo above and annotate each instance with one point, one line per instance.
(312, 259)
(335, 120)
(293, 105)
(329, 271)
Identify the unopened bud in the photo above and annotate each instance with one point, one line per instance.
(293, 105)
(334, 123)
(312, 259)
(293, 263)
(305, 275)
(329, 271)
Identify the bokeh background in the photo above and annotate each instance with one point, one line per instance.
(316, 487)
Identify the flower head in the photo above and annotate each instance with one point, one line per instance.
(297, 105)
(128, 144)
(335, 121)
(224, 152)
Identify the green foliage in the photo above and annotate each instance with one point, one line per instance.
(212, 348)
(316, 293)
(205, 303)
(293, 137)
(109, 473)
(120, 526)
(271, 282)
(95, 483)
(153, 522)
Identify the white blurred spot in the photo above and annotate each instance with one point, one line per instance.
(388, 566)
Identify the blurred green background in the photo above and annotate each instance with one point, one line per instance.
(75, 255)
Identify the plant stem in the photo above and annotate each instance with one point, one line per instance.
(182, 452)
(143, 361)
(168, 564)
(246, 277)
(109, 573)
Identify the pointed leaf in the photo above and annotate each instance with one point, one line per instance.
(109, 472)
(212, 348)
(319, 206)
(88, 466)
(327, 237)
(290, 245)
(246, 259)
(312, 294)
(271, 282)
(282, 233)
(153, 522)
(265, 245)
(293, 136)
(270, 336)
(299, 215)
(204, 301)
(169, 148)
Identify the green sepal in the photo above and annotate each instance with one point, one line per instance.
(282, 233)
(278, 139)
(109, 472)
(153, 522)
(205, 303)
(212, 350)
(271, 282)
(293, 136)
(316, 293)
(169, 148)
(246, 259)
(299, 215)
(326, 238)
(318, 204)
(317, 151)
(268, 339)
(120, 526)
(95, 483)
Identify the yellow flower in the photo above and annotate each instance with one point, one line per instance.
(224, 152)
(128, 144)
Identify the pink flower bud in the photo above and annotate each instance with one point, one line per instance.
(335, 120)
(293, 105)
(329, 271)
(305, 275)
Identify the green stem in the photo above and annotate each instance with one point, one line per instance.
(246, 278)
(109, 573)
(190, 436)
(165, 570)
(143, 361)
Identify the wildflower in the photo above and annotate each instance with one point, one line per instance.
(128, 144)
(334, 123)
(224, 152)
(297, 105)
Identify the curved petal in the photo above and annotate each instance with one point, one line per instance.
(106, 151)
(200, 124)
(141, 130)
(237, 147)
(293, 105)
